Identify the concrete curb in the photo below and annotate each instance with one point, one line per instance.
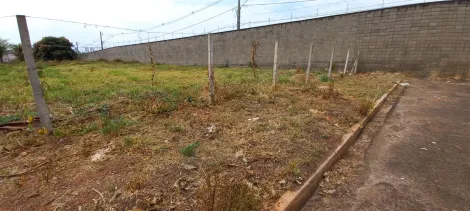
(295, 200)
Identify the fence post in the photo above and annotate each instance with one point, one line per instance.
(275, 65)
(331, 62)
(309, 63)
(210, 67)
(354, 68)
(346, 65)
(41, 105)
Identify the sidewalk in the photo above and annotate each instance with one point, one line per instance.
(418, 160)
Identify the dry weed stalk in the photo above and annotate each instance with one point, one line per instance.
(254, 48)
(152, 63)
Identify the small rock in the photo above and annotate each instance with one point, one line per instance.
(239, 154)
(22, 154)
(424, 149)
(404, 84)
(189, 167)
(254, 119)
(100, 155)
(433, 142)
(211, 129)
(323, 87)
(283, 182)
(245, 161)
(329, 191)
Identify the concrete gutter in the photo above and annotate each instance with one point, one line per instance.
(295, 200)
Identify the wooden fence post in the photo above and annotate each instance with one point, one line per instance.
(309, 63)
(210, 67)
(346, 64)
(331, 62)
(275, 65)
(38, 94)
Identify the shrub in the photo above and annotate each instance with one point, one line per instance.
(113, 126)
(18, 51)
(364, 107)
(54, 48)
(324, 78)
(189, 151)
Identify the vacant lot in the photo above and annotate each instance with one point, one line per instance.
(121, 142)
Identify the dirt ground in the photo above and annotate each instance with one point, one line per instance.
(418, 159)
(122, 143)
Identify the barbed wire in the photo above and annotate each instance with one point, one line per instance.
(274, 3)
(7, 16)
(185, 16)
(320, 5)
(336, 12)
(85, 24)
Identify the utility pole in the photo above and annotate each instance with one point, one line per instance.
(76, 47)
(38, 95)
(238, 15)
(101, 38)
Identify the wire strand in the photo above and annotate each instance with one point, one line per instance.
(287, 2)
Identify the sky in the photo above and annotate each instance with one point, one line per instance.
(145, 14)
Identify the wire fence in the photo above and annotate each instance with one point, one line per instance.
(147, 35)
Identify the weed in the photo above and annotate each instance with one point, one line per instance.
(135, 183)
(324, 136)
(317, 150)
(324, 78)
(364, 107)
(219, 194)
(104, 110)
(89, 128)
(59, 134)
(177, 129)
(294, 169)
(87, 148)
(128, 142)
(9, 118)
(190, 150)
(114, 125)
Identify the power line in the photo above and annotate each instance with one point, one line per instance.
(85, 24)
(287, 2)
(185, 16)
(337, 12)
(190, 25)
(345, 1)
(8, 16)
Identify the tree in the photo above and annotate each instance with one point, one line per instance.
(18, 51)
(3, 48)
(54, 48)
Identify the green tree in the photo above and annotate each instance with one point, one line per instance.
(18, 51)
(54, 48)
(3, 48)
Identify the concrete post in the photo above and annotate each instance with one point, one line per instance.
(346, 65)
(275, 65)
(210, 67)
(41, 105)
(331, 62)
(309, 64)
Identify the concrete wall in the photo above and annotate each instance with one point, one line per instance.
(415, 38)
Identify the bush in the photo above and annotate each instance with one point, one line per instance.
(54, 48)
(189, 151)
(324, 78)
(18, 51)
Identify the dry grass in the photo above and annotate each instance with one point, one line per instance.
(263, 142)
